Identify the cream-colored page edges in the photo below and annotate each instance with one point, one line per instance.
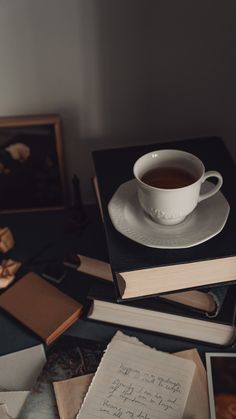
(178, 276)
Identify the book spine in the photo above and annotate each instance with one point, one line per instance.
(219, 294)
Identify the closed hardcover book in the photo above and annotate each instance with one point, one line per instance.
(207, 300)
(40, 306)
(139, 270)
(159, 316)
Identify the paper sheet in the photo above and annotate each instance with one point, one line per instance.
(70, 395)
(199, 390)
(135, 381)
(3, 412)
(14, 401)
(19, 370)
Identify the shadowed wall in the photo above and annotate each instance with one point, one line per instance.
(120, 72)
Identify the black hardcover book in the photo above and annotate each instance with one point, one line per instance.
(159, 316)
(139, 270)
(90, 256)
(103, 332)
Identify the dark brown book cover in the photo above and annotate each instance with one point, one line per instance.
(40, 306)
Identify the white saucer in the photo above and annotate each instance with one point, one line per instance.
(205, 222)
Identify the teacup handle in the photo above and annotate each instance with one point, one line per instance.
(216, 188)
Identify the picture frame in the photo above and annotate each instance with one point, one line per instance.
(32, 170)
(221, 377)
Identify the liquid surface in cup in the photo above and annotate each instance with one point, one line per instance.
(168, 178)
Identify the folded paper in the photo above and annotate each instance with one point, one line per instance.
(6, 239)
(20, 370)
(13, 402)
(8, 269)
(3, 412)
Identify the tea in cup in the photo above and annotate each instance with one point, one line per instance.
(169, 184)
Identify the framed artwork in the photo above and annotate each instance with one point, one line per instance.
(32, 173)
(221, 376)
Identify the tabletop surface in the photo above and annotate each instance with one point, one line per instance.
(47, 236)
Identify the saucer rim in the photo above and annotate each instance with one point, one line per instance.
(189, 244)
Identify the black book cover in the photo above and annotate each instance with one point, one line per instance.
(92, 243)
(105, 292)
(113, 167)
(103, 332)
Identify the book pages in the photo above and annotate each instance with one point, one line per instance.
(136, 381)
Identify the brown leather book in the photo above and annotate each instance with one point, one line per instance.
(40, 306)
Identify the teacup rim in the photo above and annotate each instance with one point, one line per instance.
(199, 179)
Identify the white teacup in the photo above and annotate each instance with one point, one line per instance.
(169, 184)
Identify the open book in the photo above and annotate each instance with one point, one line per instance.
(70, 393)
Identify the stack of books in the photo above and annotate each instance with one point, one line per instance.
(173, 291)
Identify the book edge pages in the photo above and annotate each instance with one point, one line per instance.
(209, 308)
(144, 282)
(221, 334)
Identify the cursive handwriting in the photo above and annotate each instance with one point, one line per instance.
(130, 389)
(136, 382)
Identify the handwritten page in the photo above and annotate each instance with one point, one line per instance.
(137, 382)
